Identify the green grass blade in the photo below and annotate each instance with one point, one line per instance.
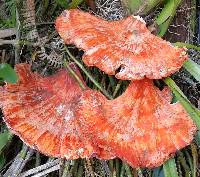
(75, 3)
(128, 170)
(88, 75)
(140, 6)
(170, 169)
(166, 16)
(62, 3)
(2, 161)
(4, 139)
(193, 69)
(167, 11)
(190, 163)
(187, 45)
(164, 27)
(194, 150)
(191, 110)
(186, 169)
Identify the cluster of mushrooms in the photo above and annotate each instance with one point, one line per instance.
(57, 117)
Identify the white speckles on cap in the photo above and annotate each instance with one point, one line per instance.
(78, 42)
(68, 115)
(80, 151)
(92, 50)
(67, 156)
(60, 108)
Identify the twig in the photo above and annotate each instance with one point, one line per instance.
(106, 167)
(54, 168)
(3, 58)
(38, 159)
(88, 168)
(12, 42)
(17, 46)
(7, 32)
(62, 165)
(19, 162)
(40, 168)
(26, 159)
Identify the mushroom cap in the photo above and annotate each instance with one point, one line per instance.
(141, 126)
(126, 46)
(53, 115)
(40, 110)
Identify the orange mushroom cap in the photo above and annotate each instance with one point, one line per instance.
(141, 126)
(40, 110)
(126, 44)
(53, 115)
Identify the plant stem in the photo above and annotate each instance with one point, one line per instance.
(128, 170)
(89, 75)
(187, 45)
(74, 75)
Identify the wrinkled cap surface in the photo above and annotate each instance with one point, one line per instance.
(123, 48)
(41, 111)
(141, 126)
(53, 115)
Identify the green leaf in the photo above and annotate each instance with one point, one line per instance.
(166, 16)
(158, 172)
(2, 161)
(197, 138)
(193, 166)
(140, 6)
(170, 169)
(182, 160)
(133, 5)
(75, 3)
(7, 73)
(4, 139)
(189, 161)
(166, 12)
(193, 69)
(191, 110)
(164, 27)
(187, 45)
(62, 3)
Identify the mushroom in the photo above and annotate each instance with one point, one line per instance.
(40, 110)
(55, 116)
(124, 48)
(141, 126)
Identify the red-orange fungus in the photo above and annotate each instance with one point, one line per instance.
(126, 44)
(55, 116)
